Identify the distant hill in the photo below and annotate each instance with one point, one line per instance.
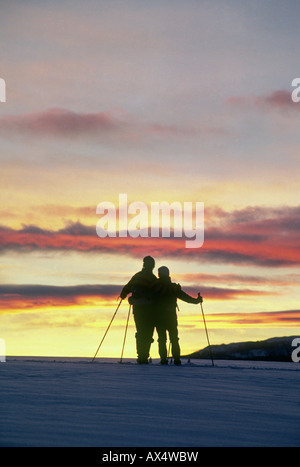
(276, 349)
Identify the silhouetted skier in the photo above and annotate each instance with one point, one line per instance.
(167, 293)
(142, 286)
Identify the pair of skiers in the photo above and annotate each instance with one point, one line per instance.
(154, 306)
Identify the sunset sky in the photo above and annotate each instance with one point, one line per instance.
(167, 100)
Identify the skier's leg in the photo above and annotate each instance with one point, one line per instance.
(139, 323)
(173, 332)
(145, 328)
(162, 343)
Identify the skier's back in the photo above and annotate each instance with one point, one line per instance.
(142, 286)
(166, 317)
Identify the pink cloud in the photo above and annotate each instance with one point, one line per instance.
(66, 123)
(59, 122)
(280, 99)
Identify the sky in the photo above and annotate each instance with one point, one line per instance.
(175, 101)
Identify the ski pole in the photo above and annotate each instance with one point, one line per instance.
(210, 352)
(169, 351)
(107, 329)
(126, 328)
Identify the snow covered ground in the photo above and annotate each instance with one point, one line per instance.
(70, 402)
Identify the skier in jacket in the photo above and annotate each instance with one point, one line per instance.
(142, 286)
(167, 294)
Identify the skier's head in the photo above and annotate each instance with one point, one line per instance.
(163, 272)
(148, 263)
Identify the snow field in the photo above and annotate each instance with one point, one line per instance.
(70, 402)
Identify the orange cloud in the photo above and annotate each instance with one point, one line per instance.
(263, 237)
(289, 318)
(20, 299)
(287, 280)
(234, 251)
(28, 297)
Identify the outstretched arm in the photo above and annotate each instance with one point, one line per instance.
(188, 299)
(127, 289)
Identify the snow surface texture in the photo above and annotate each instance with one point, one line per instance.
(71, 402)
